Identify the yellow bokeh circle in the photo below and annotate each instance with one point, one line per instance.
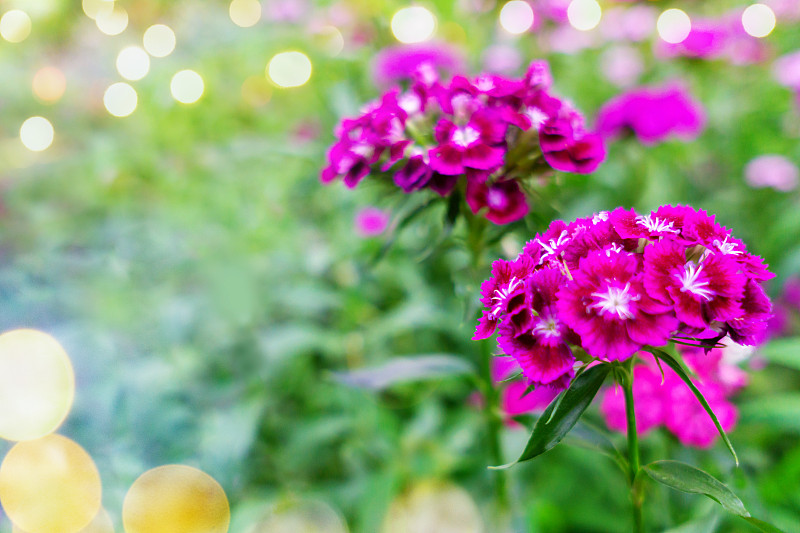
(37, 384)
(101, 523)
(433, 507)
(49, 484)
(175, 499)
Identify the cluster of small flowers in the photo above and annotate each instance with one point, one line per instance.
(490, 130)
(653, 114)
(615, 282)
(663, 399)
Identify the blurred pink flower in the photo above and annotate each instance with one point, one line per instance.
(567, 40)
(513, 399)
(635, 23)
(668, 401)
(706, 40)
(653, 114)
(786, 70)
(401, 62)
(286, 10)
(773, 171)
(785, 10)
(371, 221)
(622, 65)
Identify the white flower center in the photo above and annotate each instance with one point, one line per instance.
(537, 116)
(484, 83)
(727, 248)
(602, 216)
(547, 328)
(465, 136)
(690, 281)
(615, 300)
(496, 199)
(552, 244)
(410, 103)
(501, 295)
(365, 150)
(655, 224)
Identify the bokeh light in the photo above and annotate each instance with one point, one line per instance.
(120, 99)
(49, 484)
(289, 69)
(175, 499)
(330, 40)
(15, 26)
(36, 134)
(758, 20)
(245, 13)
(256, 91)
(673, 26)
(113, 22)
(49, 84)
(37, 384)
(95, 8)
(187, 86)
(516, 17)
(133, 63)
(413, 24)
(159, 40)
(101, 523)
(433, 508)
(584, 15)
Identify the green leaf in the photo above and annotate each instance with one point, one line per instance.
(678, 368)
(560, 417)
(687, 478)
(784, 352)
(763, 526)
(403, 369)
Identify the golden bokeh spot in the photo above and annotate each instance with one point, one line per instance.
(37, 384)
(49, 84)
(175, 499)
(49, 484)
(96, 8)
(433, 508)
(256, 91)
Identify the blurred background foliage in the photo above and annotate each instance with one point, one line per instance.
(208, 287)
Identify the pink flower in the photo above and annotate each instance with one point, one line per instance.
(653, 114)
(608, 306)
(434, 134)
(772, 171)
(622, 65)
(371, 221)
(399, 63)
(504, 200)
(614, 283)
(648, 404)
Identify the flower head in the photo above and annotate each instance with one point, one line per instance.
(491, 132)
(614, 283)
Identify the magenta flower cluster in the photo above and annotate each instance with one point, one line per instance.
(664, 400)
(491, 131)
(613, 283)
(653, 114)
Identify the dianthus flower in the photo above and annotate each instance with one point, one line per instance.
(611, 284)
(652, 114)
(485, 135)
(664, 400)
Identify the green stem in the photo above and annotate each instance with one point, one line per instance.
(476, 232)
(494, 427)
(633, 449)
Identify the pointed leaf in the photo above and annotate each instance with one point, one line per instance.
(678, 368)
(687, 478)
(560, 416)
(763, 526)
